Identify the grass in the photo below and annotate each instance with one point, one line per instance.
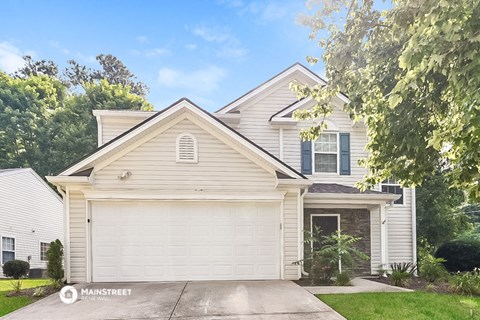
(403, 305)
(9, 304)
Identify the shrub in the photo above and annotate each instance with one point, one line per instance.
(401, 272)
(39, 292)
(407, 267)
(466, 283)
(460, 255)
(16, 269)
(335, 250)
(343, 279)
(400, 278)
(431, 268)
(54, 261)
(16, 285)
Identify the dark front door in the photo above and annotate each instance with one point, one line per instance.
(327, 224)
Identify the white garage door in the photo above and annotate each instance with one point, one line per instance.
(159, 241)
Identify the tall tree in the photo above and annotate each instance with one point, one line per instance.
(439, 215)
(412, 74)
(26, 106)
(113, 70)
(37, 68)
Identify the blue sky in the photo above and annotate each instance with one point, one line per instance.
(208, 51)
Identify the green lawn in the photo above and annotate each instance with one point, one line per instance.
(9, 304)
(403, 305)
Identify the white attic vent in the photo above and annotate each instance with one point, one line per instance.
(187, 148)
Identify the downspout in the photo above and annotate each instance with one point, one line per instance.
(66, 242)
(414, 225)
(302, 235)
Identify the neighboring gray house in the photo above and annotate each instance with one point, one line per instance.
(31, 216)
(183, 194)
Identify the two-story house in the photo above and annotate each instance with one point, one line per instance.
(184, 194)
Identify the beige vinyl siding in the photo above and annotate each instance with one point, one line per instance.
(254, 122)
(29, 212)
(290, 236)
(77, 237)
(113, 127)
(399, 219)
(153, 166)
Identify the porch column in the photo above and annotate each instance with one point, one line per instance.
(383, 237)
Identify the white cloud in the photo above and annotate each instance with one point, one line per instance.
(228, 46)
(156, 52)
(10, 57)
(142, 39)
(264, 11)
(212, 34)
(201, 81)
(191, 46)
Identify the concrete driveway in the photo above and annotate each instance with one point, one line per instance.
(206, 300)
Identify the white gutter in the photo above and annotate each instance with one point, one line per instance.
(66, 232)
(414, 225)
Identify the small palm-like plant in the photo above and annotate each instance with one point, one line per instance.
(329, 254)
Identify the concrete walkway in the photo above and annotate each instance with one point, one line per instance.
(359, 285)
(203, 300)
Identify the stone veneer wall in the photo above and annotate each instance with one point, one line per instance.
(355, 222)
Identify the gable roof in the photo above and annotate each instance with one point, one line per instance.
(86, 162)
(14, 171)
(297, 67)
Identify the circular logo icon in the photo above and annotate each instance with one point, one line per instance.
(68, 294)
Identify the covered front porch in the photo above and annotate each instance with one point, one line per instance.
(334, 207)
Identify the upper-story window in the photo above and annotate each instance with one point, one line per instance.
(326, 153)
(187, 148)
(391, 185)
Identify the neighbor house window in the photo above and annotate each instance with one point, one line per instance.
(187, 148)
(43, 250)
(8, 249)
(326, 153)
(392, 186)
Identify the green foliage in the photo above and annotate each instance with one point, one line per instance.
(343, 278)
(412, 74)
(16, 269)
(46, 125)
(400, 278)
(467, 283)
(439, 217)
(430, 267)
(55, 261)
(407, 267)
(16, 285)
(39, 292)
(402, 272)
(336, 253)
(460, 255)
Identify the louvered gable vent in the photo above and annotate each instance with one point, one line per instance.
(187, 149)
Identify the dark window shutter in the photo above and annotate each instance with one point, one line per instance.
(306, 153)
(345, 153)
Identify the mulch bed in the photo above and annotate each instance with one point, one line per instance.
(47, 290)
(418, 284)
(305, 282)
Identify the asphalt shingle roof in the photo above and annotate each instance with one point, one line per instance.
(338, 188)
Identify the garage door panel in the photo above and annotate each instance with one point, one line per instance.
(158, 241)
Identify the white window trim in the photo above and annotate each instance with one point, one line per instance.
(15, 246)
(195, 148)
(324, 215)
(403, 193)
(337, 153)
(40, 251)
